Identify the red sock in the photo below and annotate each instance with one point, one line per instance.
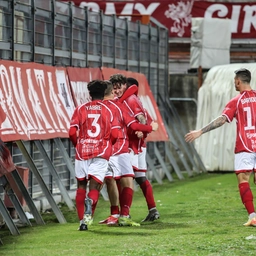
(126, 201)
(80, 197)
(246, 196)
(148, 194)
(94, 195)
(114, 209)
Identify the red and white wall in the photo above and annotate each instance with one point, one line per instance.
(37, 101)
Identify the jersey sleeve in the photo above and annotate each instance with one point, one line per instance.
(127, 115)
(73, 135)
(141, 127)
(135, 105)
(230, 110)
(75, 119)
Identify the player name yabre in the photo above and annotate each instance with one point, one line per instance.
(93, 107)
(252, 99)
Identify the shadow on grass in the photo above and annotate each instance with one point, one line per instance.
(163, 225)
(141, 231)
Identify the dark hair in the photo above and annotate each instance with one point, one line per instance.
(97, 89)
(109, 87)
(117, 79)
(244, 75)
(131, 81)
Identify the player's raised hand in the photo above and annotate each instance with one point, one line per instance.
(154, 126)
(192, 135)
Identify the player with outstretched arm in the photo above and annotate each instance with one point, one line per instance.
(243, 109)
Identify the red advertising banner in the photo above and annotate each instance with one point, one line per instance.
(79, 78)
(147, 99)
(177, 15)
(35, 101)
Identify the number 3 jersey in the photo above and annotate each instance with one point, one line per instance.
(94, 122)
(243, 109)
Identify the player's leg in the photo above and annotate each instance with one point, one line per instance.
(146, 187)
(80, 167)
(96, 174)
(111, 178)
(126, 194)
(243, 169)
(113, 195)
(127, 189)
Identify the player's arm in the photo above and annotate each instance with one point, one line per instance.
(192, 135)
(114, 135)
(131, 121)
(74, 127)
(141, 118)
(144, 127)
(73, 135)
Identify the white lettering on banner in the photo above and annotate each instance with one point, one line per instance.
(222, 12)
(81, 92)
(36, 103)
(30, 102)
(249, 19)
(235, 18)
(146, 11)
(128, 8)
(110, 8)
(9, 93)
(147, 104)
(52, 95)
(63, 91)
(18, 90)
(56, 100)
(91, 6)
(6, 98)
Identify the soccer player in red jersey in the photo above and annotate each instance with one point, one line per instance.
(92, 130)
(126, 90)
(120, 166)
(243, 109)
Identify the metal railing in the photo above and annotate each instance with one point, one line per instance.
(60, 34)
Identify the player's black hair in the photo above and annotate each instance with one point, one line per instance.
(244, 75)
(97, 89)
(131, 81)
(109, 87)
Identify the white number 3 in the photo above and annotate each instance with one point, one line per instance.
(95, 124)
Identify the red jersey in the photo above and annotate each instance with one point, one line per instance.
(124, 120)
(133, 103)
(243, 109)
(94, 121)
